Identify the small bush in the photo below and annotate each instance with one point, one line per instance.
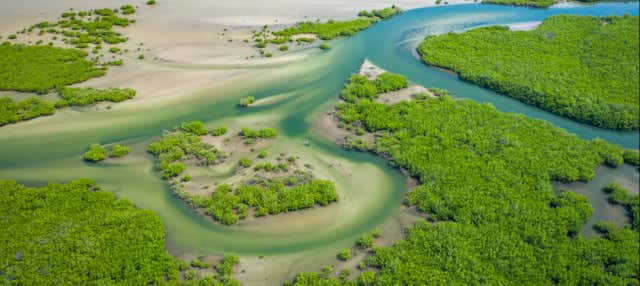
(365, 241)
(127, 9)
(194, 127)
(173, 169)
(118, 151)
(344, 254)
(387, 82)
(95, 153)
(246, 101)
(200, 264)
(245, 162)
(220, 130)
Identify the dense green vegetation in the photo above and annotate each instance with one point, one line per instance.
(85, 28)
(344, 254)
(42, 68)
(246, 101)
(118, 151)
(323, 30)
(265, 133)
(245, 162)
(194, 127)
(530, 3)
(181, 144)
(485, 183)
(127, 9)
(95, 153)
(266, 196)
(219, 131)
(360, 87)
(328, 30)
(632, 157)
(385, 13)
(227, 204)
(12, 112)
(87, 96)
(387, 82)
(77, 234)
(621, 196)
(585, 68)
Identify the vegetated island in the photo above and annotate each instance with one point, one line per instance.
(534, 3)
(485, 187)
(78, 234)
(97, 152)
(585, 68)
(262, 187)
(622, 196)
(308, 31)
(42, 68)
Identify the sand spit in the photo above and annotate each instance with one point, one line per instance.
(328, 125)
(524, 26)
(371, 71)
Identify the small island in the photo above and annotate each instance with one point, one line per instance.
(262, 188)
(42, 68)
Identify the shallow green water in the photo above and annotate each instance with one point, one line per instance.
(49, 149)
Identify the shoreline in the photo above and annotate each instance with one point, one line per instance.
(197, 46)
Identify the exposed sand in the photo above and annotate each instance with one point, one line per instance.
(180, 39)
(327, 124)
(524, 26)
(371, 71)
(191, 46)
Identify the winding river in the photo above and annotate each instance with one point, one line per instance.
(49, 149)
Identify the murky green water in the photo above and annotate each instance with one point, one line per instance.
(49, 149)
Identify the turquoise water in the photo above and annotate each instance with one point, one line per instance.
(402, 35)
(50, 149)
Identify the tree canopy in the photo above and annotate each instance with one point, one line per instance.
(266, 196)
(585, 68)
(12, 112)
(87, 96)
(77, 234)
(485, 185)
(42, 68)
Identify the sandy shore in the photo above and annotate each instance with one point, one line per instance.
(524, 26)
(196, 33)
(327, 124)
(197, 46)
